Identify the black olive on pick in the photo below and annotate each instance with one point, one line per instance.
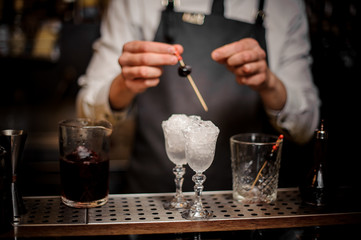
(184, 71)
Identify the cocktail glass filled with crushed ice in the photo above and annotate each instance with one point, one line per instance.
(201, 137)
(175, 149)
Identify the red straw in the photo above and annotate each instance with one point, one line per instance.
(274, 148)
(279, 140)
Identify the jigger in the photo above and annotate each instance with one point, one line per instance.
(12, 143)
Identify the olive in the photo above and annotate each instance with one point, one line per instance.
(184, 71)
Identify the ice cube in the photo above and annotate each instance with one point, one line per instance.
(176, 122)
(201, 131)
(172, 128)
(83, 152)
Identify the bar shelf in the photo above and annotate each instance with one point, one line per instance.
(127, 214)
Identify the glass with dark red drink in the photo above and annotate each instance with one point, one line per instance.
(84, 162)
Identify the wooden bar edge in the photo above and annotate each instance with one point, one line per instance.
(188, 226)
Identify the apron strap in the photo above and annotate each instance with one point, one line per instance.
(170, 5)
(218, 7)
(260, 14)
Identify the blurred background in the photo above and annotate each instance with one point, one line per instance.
(45, 45)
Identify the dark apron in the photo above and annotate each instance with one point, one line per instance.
(233, 108)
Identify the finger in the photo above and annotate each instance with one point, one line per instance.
(141, 72)
(147, 59)
(246, 56)
(250, 68)
(151, 82)
(140, 85)
(150, 46)
(228, 50)
(178, 48)
(255, 81)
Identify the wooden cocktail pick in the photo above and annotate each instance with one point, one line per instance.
(185, 72)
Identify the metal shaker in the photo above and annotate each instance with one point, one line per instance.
(12, 144)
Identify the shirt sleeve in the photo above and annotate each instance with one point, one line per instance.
(300, 115)
(117, 28)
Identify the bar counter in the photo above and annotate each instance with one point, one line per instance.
(129, 214)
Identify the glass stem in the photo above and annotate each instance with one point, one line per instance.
(179, 172)
(198, 179)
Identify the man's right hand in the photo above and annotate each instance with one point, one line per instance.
(141, 63)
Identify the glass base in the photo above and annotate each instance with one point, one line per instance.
(197, 215)
(254, 196)
(175, 205)
(92, 204)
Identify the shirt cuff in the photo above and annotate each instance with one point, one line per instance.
(297, 119)
(103, 109)
(280, 119)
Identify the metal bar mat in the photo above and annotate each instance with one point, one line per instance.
(147, 208)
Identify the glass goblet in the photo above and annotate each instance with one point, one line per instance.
(199, 149)
(175, 145)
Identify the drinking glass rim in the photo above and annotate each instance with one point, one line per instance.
(12, 132)
(234, 139)
(85, 122)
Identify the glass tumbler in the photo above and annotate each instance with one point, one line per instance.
(256, 162)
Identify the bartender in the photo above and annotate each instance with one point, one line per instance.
(250, 61)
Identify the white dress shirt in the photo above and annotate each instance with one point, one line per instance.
(287, 45)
